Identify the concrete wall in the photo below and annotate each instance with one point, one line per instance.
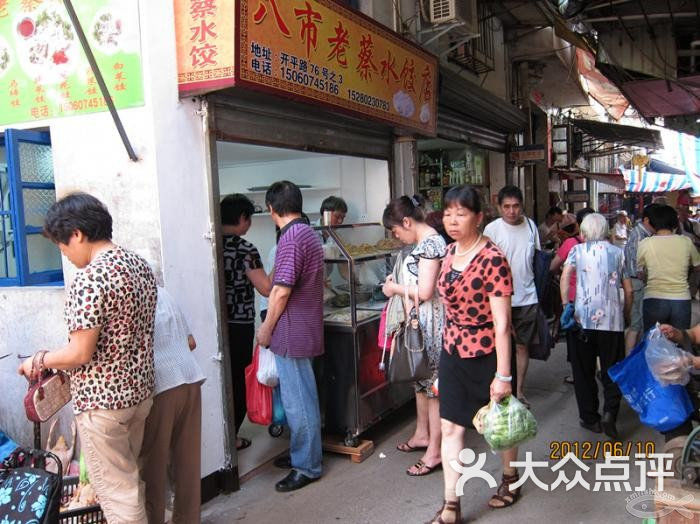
(497, 173)
(161, 210)
(32, 318)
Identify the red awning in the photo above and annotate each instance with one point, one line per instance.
(661, 98)
(599, 87)
(612, 179)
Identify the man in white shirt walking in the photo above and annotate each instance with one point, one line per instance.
(516, 235)
(172, 434)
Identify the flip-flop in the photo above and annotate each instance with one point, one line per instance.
(245, 443)
(423, 469)
(405, 447)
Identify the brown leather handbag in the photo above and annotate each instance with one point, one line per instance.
(49, 391)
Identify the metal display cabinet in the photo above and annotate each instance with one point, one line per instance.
(354, 392)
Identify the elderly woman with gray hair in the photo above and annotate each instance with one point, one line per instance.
(601, 318)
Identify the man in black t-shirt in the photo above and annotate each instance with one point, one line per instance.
(243, 271)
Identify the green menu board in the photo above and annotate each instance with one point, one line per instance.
(43, 69)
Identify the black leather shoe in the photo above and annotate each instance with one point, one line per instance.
(594, 427)
(294, 480)
(609, 428)
(283, 462)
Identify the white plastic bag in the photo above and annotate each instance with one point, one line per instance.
(507, 424)
(667, 362)
(267, 368)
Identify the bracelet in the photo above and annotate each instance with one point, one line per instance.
(502, 378)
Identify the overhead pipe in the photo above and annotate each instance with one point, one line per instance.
(639, 17)
(606, 4)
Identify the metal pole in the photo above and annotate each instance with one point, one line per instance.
(100, 80)
(638, 17)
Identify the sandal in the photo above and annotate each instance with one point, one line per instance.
(423, 469)
(407, 448)
(449, 505)
(504, 497)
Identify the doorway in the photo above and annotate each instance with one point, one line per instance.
(363, 183)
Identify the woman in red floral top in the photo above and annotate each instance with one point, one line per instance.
(475, 285)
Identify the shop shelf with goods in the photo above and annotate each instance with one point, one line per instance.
(441, 169)
(353, 387)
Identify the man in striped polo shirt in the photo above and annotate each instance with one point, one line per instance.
(293, 329)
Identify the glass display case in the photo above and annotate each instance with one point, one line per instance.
(354, 392)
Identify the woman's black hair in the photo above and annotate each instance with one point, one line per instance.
(464, 196)
(400, 208)
(571, 228)
(649, 210)
(582, 213)
(78, 211)
(663, 217)
(235, 206)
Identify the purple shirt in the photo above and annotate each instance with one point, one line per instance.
(299, 265)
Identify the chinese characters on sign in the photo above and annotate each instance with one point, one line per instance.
(205, 43)
(322, 52)
(43, 70)
(315, 50)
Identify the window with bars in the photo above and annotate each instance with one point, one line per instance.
(27, 191)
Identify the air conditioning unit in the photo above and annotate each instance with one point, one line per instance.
(444, 11)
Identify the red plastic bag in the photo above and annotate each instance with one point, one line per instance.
(258, 396)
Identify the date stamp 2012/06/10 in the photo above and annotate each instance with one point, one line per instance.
(597, 450)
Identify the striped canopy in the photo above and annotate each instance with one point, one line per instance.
(653, 182)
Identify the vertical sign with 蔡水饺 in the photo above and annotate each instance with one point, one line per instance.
(43, 69)
(320, 51)
(206, 42)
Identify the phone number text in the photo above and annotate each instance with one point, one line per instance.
(309, 80)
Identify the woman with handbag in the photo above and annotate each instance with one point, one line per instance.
(110, 311)
(419, 272)
(475, 285)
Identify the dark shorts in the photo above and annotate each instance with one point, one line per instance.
(464, 385)
(524, 320)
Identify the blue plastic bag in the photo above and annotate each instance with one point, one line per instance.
(7, 446)
(278, 416)
(660, 407)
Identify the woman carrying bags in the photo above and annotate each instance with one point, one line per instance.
(475, 285)
(419, 271)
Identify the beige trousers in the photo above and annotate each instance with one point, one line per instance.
(111, 442)
(173, 437)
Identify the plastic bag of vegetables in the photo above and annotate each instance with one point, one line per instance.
(508, 424)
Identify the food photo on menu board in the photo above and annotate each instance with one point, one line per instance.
(43, 69)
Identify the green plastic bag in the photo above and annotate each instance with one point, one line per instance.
(508, 424)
